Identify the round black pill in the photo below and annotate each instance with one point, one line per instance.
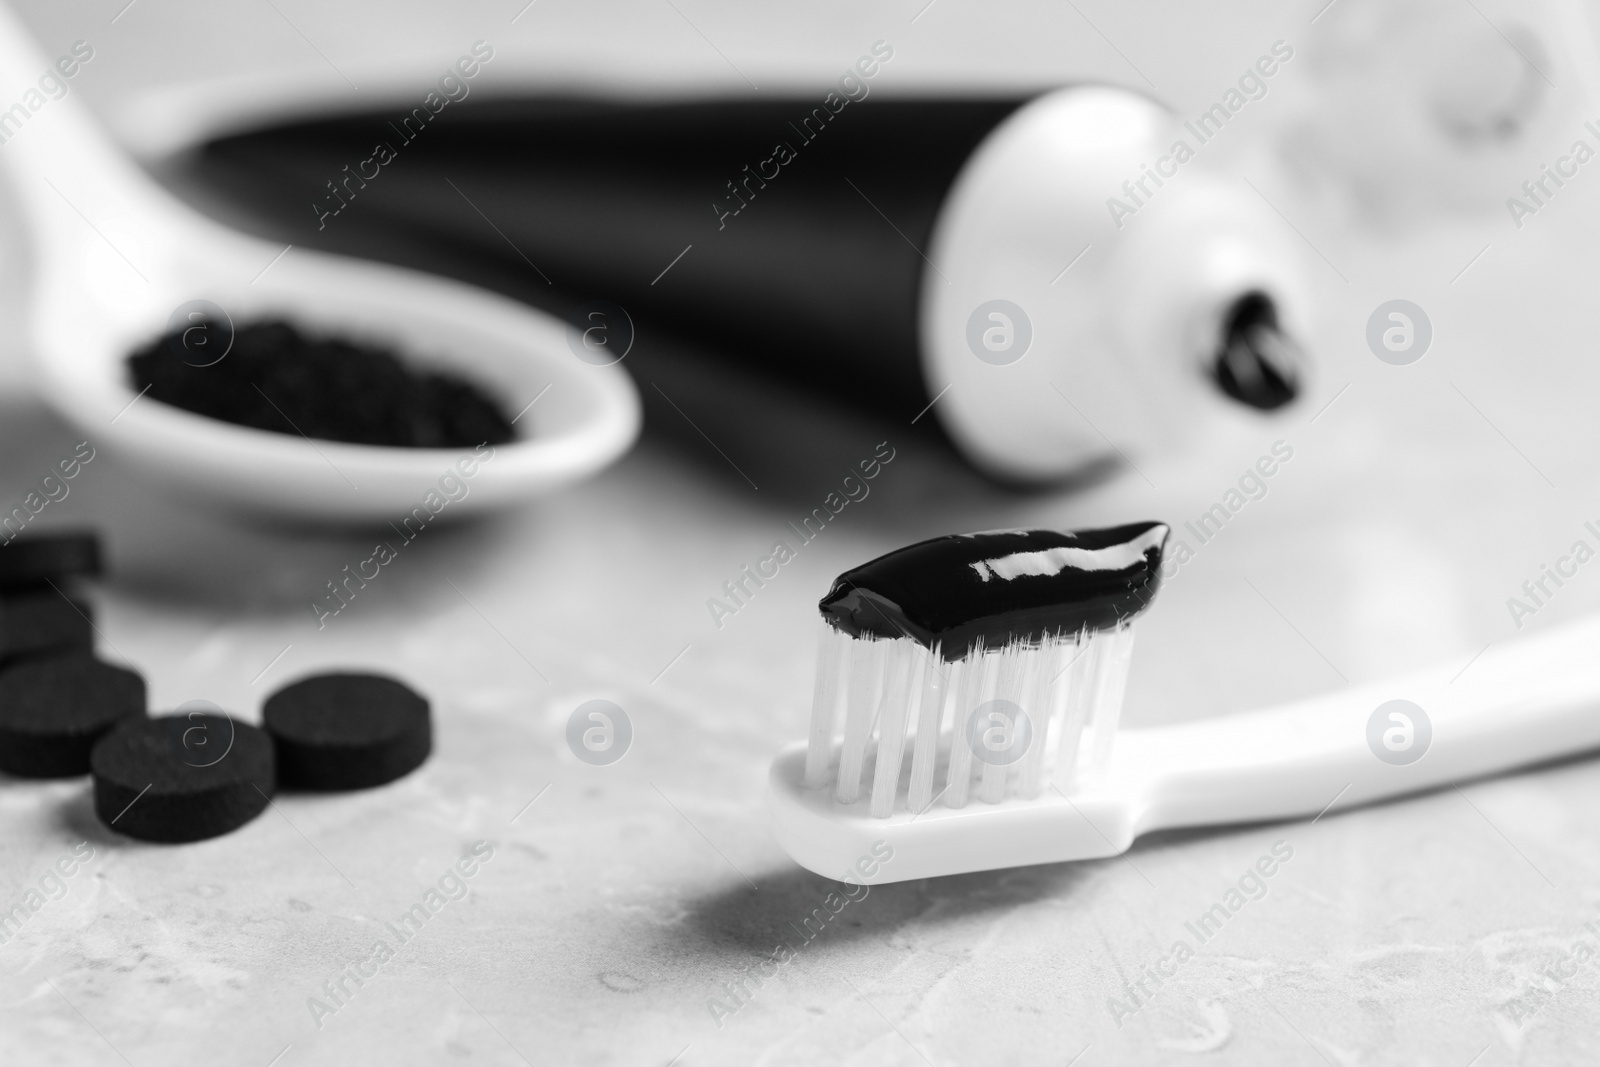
(36, 561)
(347, 731)
(53, 710)
(181, 777)
(36, 622)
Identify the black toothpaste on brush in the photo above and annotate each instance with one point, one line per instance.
(1015, 642)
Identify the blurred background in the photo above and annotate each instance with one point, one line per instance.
(1418, 500)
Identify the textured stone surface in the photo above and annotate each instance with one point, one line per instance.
(615, 906)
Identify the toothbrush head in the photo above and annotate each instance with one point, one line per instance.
(1000, 660)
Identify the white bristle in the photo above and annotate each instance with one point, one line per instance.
(1078, 675)
(861, 707)
(930, 713)
(892, 734)
(1060, 681)
(1069, 691)
(949, 716)
(975, 675)
(1105, 709)
(1036, 694)
(833, 653)
(1001, 728)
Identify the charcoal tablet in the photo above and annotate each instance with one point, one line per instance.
(32, 562)
(347, 731)
(53, 710)
(181, 777)
(40, 621)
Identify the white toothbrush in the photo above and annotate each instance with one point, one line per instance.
(115, 254)
(1528, 700)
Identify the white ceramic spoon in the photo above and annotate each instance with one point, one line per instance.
(115, 254)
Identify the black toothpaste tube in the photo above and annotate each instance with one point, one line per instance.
(1047, 274)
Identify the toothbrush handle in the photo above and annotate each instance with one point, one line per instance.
(1534, 699)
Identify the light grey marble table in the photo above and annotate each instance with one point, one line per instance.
(610, 907)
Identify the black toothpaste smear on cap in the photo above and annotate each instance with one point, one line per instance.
(1001, 587)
